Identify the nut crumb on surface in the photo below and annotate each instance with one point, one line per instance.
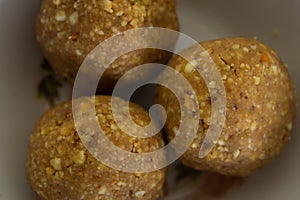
(60, 16)
(57, 2)
(236, 46)
(102, 190)
(256, 80)
(189, 68)
(236, 154)
(73, 18)
(56, 163)
(140, 194)
(245, 49)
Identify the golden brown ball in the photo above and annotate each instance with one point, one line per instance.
(60, 167)
(260, 108)
(68, 30)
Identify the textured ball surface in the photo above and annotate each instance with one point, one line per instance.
(260, 108)
(60, 167)
(68, 30)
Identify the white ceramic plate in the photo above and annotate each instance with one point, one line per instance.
(274, 22)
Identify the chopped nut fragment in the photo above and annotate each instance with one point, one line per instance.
(230, 80)
(134, 23)
(175, 130)
(221, 143)
(246, 49)
(57, 2)
(73, 18)
(194, 145)
(140, 194)
(275, 69)
(124, 23)
(56, 163)
(120, 183)
(189, 68)
(236, 46)
(100, 32)
(119, 13)
(102, 190)
(236, 154)
(66, 129)
(78, 52)
(114, 30)
(256, 80)
(253, 126)
(49, 171)
(113, 127)
(61, 149)
(107, 5)
(253, 47)
(60, 16)
(79, 157)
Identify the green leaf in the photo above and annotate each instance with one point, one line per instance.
(184, 172)
(49, 85)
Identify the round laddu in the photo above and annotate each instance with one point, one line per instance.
(260, 107)
(60, 167)
(68, 30)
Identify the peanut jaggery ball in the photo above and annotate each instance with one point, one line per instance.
(260, 107)
(60, 167)
(68, 30)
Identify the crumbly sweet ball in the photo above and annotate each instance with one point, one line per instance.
(68, 30)
(60, 167)
(260, 109)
